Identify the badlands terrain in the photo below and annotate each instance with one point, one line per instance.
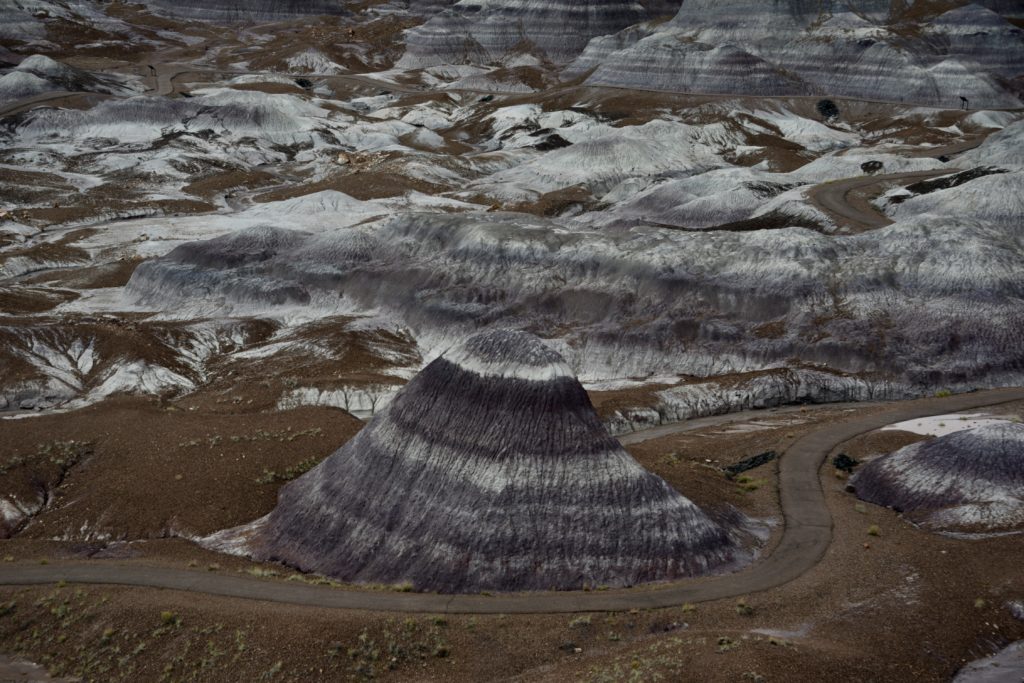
(732, 291)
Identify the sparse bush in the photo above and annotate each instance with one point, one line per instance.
(396, 644)
(943, 393)
(874, 530)
(262, 572)
(844, 463)
(291, 472)
(749, 485)
(580, 622)
(828, 109)
(273, 671)
(743, 609)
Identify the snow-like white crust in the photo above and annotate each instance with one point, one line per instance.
(509, 370)
(518, 356)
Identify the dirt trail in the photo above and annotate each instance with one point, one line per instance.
(845, 200)
(805, 540)
(838, 199)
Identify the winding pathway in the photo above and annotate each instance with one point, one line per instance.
(834, 197)
(806, 537)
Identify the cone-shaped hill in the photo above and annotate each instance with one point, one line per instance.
(490, 470)
(968, 481)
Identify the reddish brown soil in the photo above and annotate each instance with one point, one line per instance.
(154, 471)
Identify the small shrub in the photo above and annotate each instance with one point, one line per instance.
(874, 530)
(828, 109)
(750, 463)
(943, 393)
(844, 463)
(749, 485)
(580, 622)
(980, 603)
(743, 609)
(168, 618)
(273, 671)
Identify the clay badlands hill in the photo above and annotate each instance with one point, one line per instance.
(490, 470)
(243, 245)
(969, 481)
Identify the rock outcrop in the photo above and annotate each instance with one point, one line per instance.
(245, 10)
(968, 481)
(490, 470)
(485, 31)
(868, 50)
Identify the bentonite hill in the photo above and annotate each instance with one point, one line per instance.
(970, 481)
(489, 471)
(270, 409)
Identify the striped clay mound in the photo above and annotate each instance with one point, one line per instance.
(489, 471)
(482, 31)
(245, 10)
(970, 481)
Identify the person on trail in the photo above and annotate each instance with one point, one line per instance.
(963, 102)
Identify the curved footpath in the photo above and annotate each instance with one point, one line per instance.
(834, 197)
(806, 537)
